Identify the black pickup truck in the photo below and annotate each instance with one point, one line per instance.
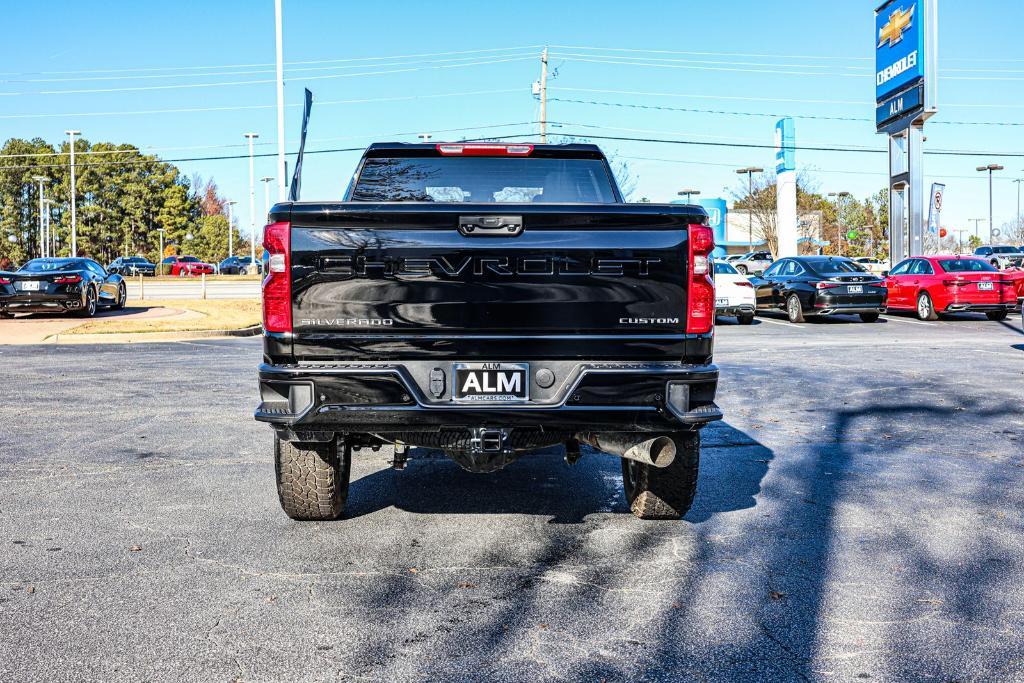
(487, 300)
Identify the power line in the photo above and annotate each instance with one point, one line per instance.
(241, 66)
(770, 115)
(363, 100)
(179, 86)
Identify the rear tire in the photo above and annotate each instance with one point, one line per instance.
(794, 309)
(664, 492)
(996, 315)
(122, 297)
(745, 319)
(869, 317)
(742, 270)
(925, 307)
(88, 308)
(312, 479)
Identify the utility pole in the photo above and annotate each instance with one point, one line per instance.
(976, 221)
(750, 171)
(688, 193)
(231, 230)
(74, 224)
(282, 171)
(160, 257)
(990, 168)
(41, 180)
(544, 96)
(252, 198)
(1018, 181)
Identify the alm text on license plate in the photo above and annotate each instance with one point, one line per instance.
(29, 285)
(855, 289)
(985, 285)
(721, 302)
(491, 381)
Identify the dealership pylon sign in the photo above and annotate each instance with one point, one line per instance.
(906, 33)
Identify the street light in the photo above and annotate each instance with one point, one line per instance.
(231, 232)
(252, 199)
(688, 192)
(425, 137)
(840, 196)
(990, 168)
(160, 258)
(74, 225)
(961, 232)
(42, 180)
(976, 222)
(1018, 181)
(46, 228)
(282, 189)
(750, 171)
(266, 180)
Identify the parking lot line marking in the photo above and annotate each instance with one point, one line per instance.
(779, 322)
(911, 322)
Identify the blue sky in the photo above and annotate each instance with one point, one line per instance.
(758, 59)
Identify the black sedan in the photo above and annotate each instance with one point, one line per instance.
(131, 265)
(235, 265)
(60, 285)
(805, 286)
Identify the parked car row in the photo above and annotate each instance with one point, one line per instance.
(805, 286)
(183, 266)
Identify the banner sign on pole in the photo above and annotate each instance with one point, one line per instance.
(935, 207)
(785, 145)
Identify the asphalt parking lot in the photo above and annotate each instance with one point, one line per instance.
(859, 517)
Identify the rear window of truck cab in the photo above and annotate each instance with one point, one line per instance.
(484, 180)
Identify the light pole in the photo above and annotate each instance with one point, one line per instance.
(425, 137)
(74, 220)
(976, 221)
(961, 236)
(252, 198)
(840, 200)
(266, 180)
(750, 171)
(990, 168)
(1018, 181)
(689, 194)
(46, 229)
(42, 180)
(282, 190)
(231, 232)
(160, 256)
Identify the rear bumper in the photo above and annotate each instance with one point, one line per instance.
(400, 397)
(845, 304)
(735, 309)
(978, 308)
(41, 303)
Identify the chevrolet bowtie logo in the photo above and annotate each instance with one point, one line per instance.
(899, 21)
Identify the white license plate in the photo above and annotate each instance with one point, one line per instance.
(985, 285)
(721, 302)
(29, 285)
(855, 289)
(491, 381)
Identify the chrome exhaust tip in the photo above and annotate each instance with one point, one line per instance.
(659, 451)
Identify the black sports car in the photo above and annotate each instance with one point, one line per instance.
(820, 285)
(131, 265)
(58, 285)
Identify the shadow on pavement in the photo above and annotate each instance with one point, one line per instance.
(543, 484)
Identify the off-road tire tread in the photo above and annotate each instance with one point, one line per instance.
(666, 492)
(312, 479)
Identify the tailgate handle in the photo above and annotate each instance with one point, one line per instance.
(491, 226)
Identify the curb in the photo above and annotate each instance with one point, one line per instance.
(142, 337)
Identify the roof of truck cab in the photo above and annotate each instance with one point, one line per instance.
(585, 151)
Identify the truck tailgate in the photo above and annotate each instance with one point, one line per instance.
(374, 279)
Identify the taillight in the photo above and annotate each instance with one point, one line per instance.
(5, 281)
(700, 295)
(277, 285)
(953, 282)
(826, 285)
(484, 149)
(67, 279)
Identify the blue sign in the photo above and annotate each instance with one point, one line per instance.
(717, 211)
(785, 145)
(898, 106)
(899, 46)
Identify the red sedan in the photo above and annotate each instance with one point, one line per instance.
(931, 285)
(186, 265)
